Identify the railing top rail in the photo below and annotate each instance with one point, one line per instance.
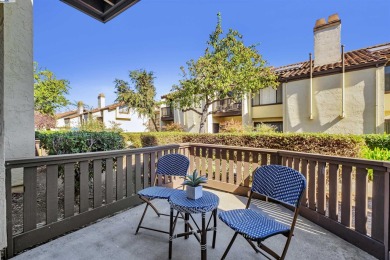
(362, 163)
(229, 147)
(55, 159)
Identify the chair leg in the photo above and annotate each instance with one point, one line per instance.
(253, 246)
(286, 246)
(229, 246)
(215, 227)
(151, 205)
(142, 218)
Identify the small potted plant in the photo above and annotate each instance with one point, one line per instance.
(194, 189)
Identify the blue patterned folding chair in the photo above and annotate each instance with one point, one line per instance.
(279, 183)
(168, 165)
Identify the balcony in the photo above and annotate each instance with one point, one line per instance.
(227, 107)
(167, 114)
(335, 212)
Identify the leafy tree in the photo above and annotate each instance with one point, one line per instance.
(49, 92)
(140, 97)
(228, 68)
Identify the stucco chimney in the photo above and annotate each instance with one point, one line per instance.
(80, 107)
(327, 40)
(101, 100)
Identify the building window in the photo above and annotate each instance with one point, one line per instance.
(124, 110)
(268, 96)
(387, 79)
(278, 126)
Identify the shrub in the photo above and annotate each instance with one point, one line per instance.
(265, 129)
(340, 145)
(173, 127)
(43, 121)
(231, 126)
(381, 141)
(132, 139)
(67, 142)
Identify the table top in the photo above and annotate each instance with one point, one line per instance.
(206, 203)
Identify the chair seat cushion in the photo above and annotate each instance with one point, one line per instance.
(252, 224)
(156, 192)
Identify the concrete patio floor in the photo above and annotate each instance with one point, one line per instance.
(113, 238)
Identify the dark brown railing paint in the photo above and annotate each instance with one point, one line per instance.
(336, 197)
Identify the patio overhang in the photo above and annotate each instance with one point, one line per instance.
(102, 10)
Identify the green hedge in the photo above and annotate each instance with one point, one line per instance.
(381, 141)
(67, 142)
(340, 145)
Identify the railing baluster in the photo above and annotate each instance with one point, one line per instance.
(152, 168)
(119, 177)
(84, 187)
(129, 176)
(146, 160)
(378, 192)
(246, 167)
(218, 164)
(69, 190)
(264, 159)
(239, 168)
(231, 166)
(346, 195)
(51, 193)
(361, 201)
(109, 180)
(210, 174)
(197, 159)
(138, 184)
(296, 164)
(321, 200)
(29, 198)
(97, 183)
(304, 199)
(203, 172)
(333, 191)
(223, 166)
(159, 155)
(312, 185)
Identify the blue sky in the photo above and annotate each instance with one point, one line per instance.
(161, 35)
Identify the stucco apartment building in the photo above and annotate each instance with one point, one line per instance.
(336, 91)
(124, 117)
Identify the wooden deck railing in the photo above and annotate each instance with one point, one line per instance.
(338, 197)
(65, 192)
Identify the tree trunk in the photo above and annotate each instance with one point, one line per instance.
(155, 125)
(203, 118)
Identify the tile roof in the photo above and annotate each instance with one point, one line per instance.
(74, 113)
(65, 114)
(370, 56)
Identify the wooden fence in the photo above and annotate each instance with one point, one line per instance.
(339, 196)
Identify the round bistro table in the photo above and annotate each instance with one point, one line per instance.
(207, 203)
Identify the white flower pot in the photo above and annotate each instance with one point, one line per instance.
(194, 192)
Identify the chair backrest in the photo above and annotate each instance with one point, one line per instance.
(173, 165)
(280, 183)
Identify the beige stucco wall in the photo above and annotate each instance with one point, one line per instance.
(387, 104)
(362, 114)
(267, 111)
(18, 97)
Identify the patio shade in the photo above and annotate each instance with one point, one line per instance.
(102, 10)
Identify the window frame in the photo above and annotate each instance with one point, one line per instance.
(269, 104)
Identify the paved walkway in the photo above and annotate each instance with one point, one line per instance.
(113, 238)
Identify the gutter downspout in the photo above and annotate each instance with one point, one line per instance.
(342, 115)
(311, 88)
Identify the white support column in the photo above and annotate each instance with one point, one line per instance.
(380, 100)
(3, 221)
(209, 127)
(16, 90)
(246, 110)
